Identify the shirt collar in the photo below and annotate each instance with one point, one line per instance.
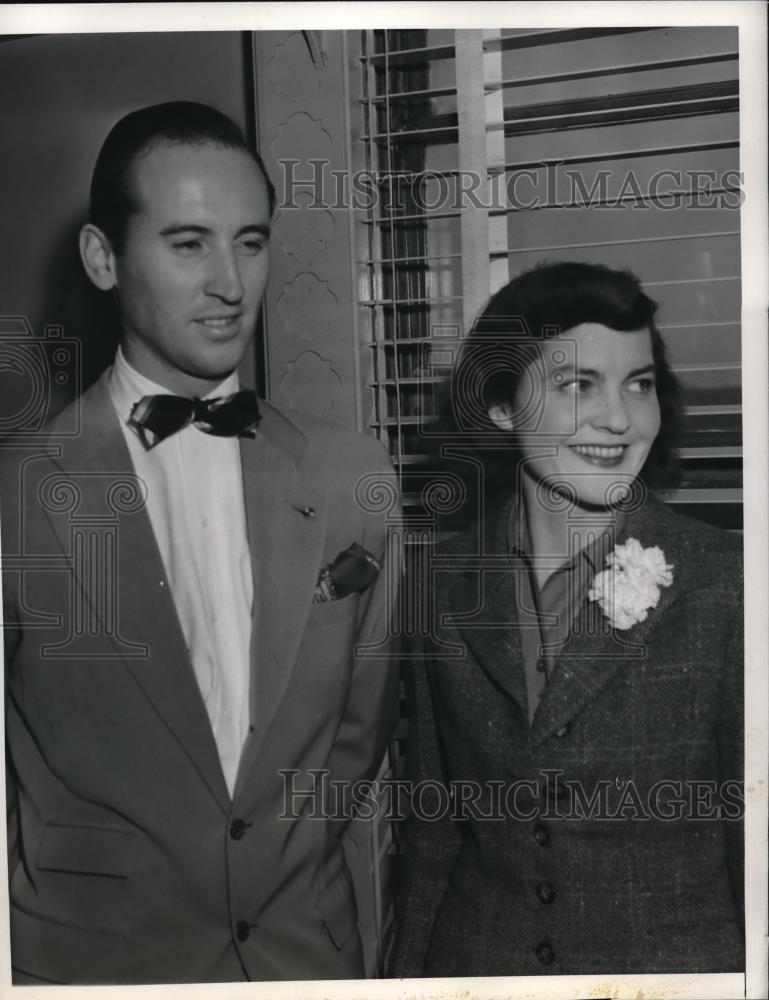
(595, 553)
(127, 386)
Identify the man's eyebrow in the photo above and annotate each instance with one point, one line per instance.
(179, 227)
(175, 229)
(260, 228)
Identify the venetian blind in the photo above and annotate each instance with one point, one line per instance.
(491, 151)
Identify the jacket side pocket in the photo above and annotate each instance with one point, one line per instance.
(87, 850)
(336, 904)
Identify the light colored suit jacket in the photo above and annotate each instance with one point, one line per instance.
(647, 879)
(128, 860)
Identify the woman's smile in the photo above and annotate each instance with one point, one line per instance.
(607, 456)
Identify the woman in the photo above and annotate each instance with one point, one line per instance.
(575, 740)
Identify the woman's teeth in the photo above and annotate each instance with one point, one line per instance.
(599, 451)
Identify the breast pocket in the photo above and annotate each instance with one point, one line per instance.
(333, 612)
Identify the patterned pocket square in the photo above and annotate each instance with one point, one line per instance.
(351, 572)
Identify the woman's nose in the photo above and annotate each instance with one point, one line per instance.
(612, 413)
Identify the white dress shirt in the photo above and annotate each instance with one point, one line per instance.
(195, 502)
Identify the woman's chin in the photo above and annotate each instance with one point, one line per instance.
(594, 490)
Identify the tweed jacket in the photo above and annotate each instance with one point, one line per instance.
(129, 861)
(606, 836)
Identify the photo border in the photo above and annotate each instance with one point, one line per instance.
(750, 17)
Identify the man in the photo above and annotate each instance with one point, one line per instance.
(174, 654)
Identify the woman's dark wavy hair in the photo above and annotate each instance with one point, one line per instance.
(542, 302)
(113, 198)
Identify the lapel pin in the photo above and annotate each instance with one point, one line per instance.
(305, 511)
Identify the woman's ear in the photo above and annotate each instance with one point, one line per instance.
(97, 256)
(502, 416)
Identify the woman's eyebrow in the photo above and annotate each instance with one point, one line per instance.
(575, 370)
(641, 371)
(594, 373)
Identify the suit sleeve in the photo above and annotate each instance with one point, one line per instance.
(9, 519)
(371, 710)
(431, 845)
(730, 734)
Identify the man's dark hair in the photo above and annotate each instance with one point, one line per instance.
(547, 300)
(113, 197)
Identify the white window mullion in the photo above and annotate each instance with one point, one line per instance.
(474, 222)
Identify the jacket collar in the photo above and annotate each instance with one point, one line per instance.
(482, 599)
(286, 546)
(594, 651)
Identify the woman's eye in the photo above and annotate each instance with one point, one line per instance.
(643, 386)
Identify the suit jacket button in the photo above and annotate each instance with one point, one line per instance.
(544, 952)
(563, 731)
(237, 828)
(242, 930)
(545, 892)
(541, 834)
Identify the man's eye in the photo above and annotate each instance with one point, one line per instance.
(251, 247)
(576, 385)
(187, 246)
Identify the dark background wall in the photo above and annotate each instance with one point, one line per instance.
(59, 95)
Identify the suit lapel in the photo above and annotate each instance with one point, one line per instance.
(286, 510)
(146, 635)
(483, 606)
(595, 652)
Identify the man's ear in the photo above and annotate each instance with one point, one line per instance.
(97, 256)
(502, 415)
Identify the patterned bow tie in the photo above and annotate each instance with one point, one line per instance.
(157, 417)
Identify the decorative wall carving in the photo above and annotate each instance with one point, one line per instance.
(304, 129)
(311, 384)
(291, 68)
(303, 233)
(302, 138)
(307, 307)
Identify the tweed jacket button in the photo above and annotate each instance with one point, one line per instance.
(237, 828)
(541, 834)
(242, 930)
(545, 892)
(541, 665)
(544, 952)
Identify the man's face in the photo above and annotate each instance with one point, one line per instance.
(191, 278)
(599, 414)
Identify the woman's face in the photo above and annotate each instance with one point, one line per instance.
(586, 412)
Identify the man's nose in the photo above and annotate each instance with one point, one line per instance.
(224, 279)
(612, 413)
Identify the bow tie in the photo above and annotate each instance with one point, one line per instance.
(157, 417)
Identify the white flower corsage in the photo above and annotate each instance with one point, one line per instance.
(631, 583)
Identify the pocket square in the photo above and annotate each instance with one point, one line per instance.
(351, 572)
